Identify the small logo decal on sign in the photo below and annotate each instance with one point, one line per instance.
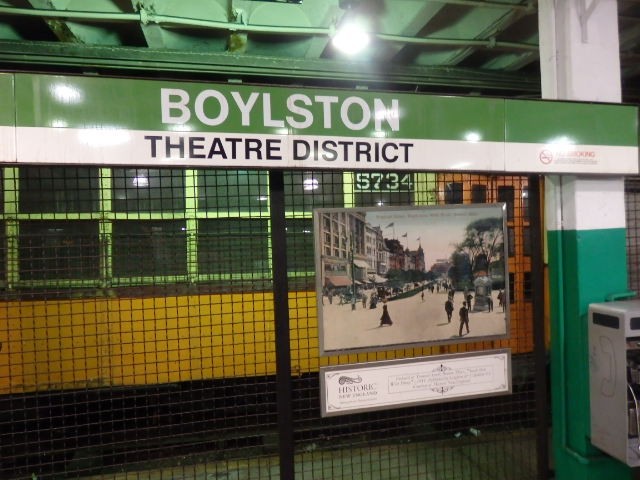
(546, 157)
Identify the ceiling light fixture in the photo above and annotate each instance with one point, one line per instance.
(352, 31)
(351, 38)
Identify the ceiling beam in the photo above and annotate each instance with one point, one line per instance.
(490, 32)
(629, 37)
(169, 21)
(512, 62)
(418, 21)
(44, 56)
(58, 27)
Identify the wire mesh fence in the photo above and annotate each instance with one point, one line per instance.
(139, 332)
(632, 206)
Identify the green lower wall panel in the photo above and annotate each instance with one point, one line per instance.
(585, 266)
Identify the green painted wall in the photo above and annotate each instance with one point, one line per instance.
(42, 100)
(585, 266)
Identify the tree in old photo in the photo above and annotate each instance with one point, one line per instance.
(483, 242)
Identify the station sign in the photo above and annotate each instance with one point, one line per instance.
(52, 119)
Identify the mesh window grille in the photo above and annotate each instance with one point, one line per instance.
(139, 331)
(632, 204)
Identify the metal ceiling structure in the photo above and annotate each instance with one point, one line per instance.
(442, 46)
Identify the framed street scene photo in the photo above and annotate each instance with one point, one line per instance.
(407, 276)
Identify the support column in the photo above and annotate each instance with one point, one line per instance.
(585, 221)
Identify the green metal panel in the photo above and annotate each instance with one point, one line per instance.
(7, 119)
(585, 267)
(571, 123)
(46, 100)
(135, 104)
(212, 62)
(7, 100)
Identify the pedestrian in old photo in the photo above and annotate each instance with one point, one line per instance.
(490, 303)
(448, 308)
(501, 299)
(385, 319)
(464, 318)
(364, 300)
(373, 302)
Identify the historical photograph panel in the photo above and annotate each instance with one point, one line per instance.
(410, 276)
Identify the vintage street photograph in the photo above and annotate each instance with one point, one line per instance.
(399, 276)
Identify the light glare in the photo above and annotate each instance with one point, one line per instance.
(351, 38)
(472, 137)
(310, 184)
(103, 137)
(66, 93)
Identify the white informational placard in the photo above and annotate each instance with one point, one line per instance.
(396, 383)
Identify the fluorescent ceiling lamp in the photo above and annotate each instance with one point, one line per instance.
(351, 38)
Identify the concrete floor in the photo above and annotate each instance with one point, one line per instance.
(479, 456)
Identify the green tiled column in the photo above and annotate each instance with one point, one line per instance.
(587, 263)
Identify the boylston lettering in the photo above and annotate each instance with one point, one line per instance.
(213, 108)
